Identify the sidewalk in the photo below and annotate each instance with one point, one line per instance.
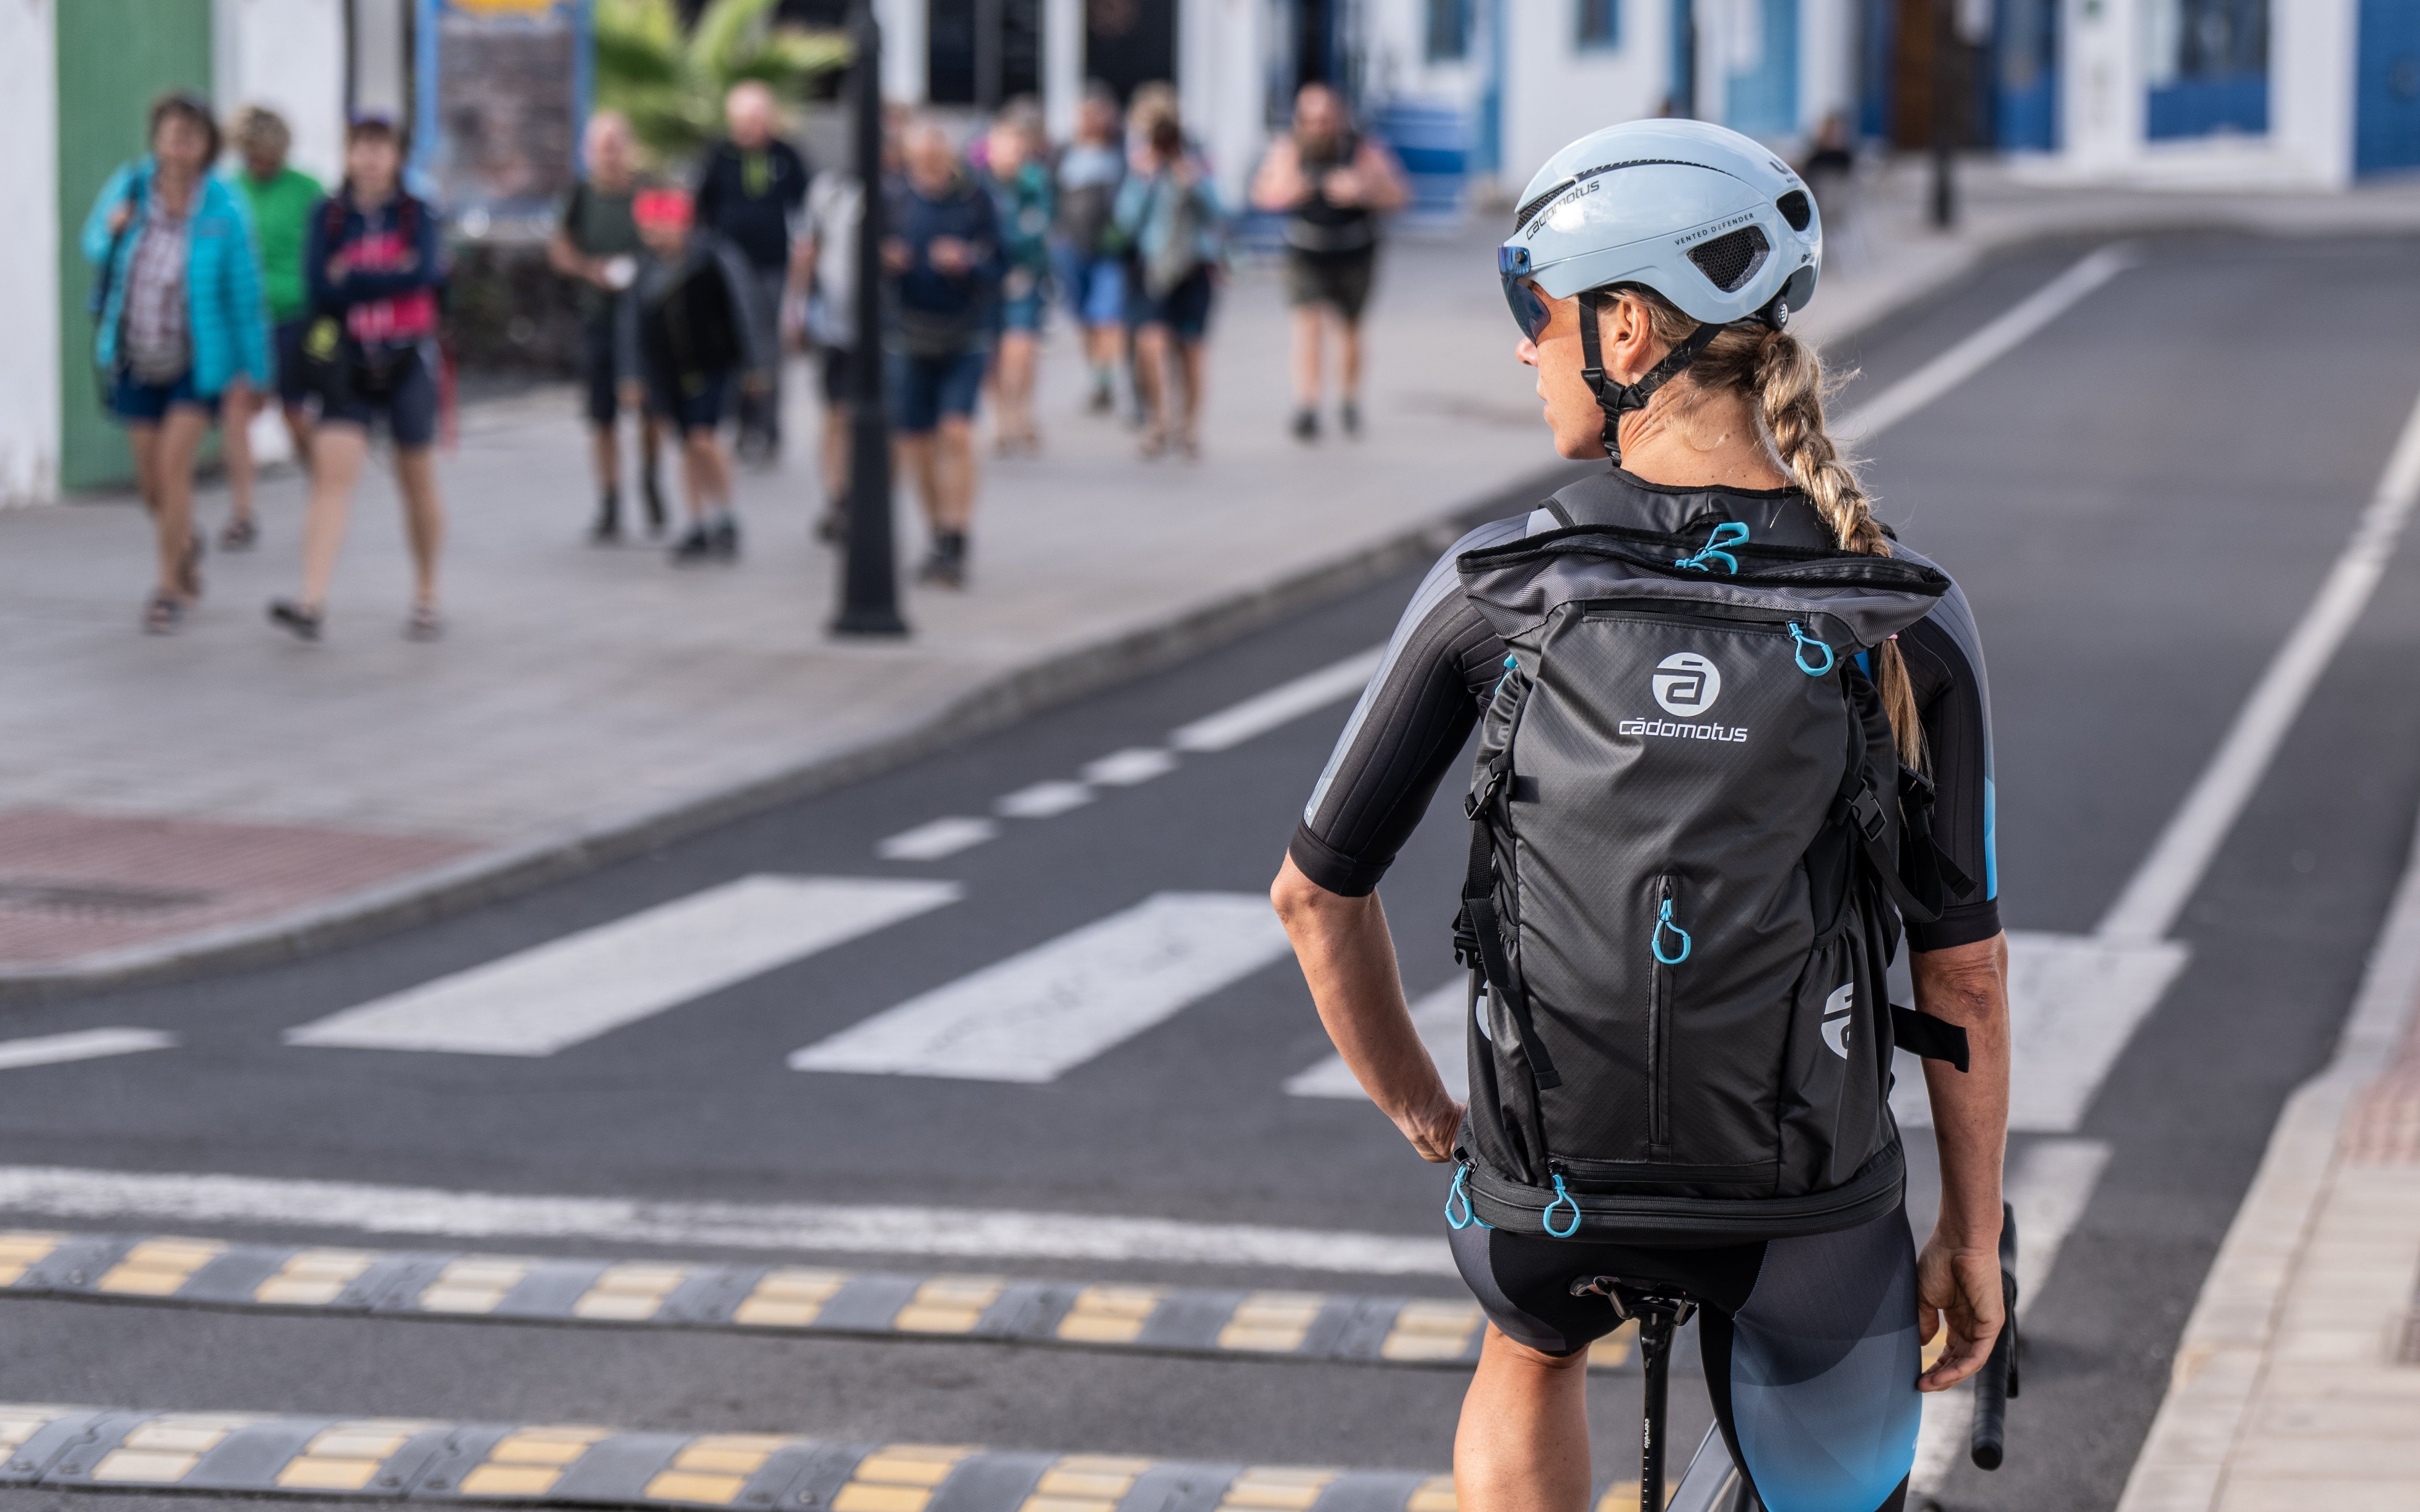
(229, 794)
(2297, 1383)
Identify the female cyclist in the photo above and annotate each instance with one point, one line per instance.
(1685, 247)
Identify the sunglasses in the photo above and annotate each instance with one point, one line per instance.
(1530, 311)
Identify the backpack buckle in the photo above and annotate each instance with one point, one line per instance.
(1866, 811)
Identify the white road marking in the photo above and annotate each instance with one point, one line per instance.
(941, 837)
(1282, 704)
(81, 1044)
(572, 989)
(2049, 1189)
(206, 1200)
(2012, 329)
(2158, 892)
(2074, 1001)
(1037, 1014)
(1437, 1016)
(1124, 768)
(1043, 800)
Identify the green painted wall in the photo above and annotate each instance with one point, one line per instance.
(115, 56)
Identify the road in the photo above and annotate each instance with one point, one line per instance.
(2142, 499)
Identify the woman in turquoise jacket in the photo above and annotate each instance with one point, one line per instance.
(181, 316)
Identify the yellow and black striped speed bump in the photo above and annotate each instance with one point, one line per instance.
(1294, 1325)
(68, 1447)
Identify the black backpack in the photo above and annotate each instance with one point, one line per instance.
(1685, 888)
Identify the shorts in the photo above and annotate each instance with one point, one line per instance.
(408, 404)
(924, 390)
(1186, 310)
(1809, 1344)
(600, 371)
(1095, 287)
(1339, 279)
(1024, 312)
(839, 377)
(293, 389)
(145, 404)
(689, 408)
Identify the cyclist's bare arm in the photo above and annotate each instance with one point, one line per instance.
(1958, 1270)
(1348, 957)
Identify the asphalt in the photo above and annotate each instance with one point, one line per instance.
(2139, 501)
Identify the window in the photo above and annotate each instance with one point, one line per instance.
(1449, 30)
(2207, 63)
(1600, 22)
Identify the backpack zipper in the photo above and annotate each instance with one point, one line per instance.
(1659, 1018)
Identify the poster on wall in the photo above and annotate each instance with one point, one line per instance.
(504, 86)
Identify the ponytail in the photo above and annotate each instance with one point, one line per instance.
(1785, 379)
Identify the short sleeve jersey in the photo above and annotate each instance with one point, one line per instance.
(1419, 708)
(280, 208)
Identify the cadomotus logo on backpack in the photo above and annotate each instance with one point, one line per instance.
(1686, 684)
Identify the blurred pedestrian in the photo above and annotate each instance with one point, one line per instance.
(835, 207)
(943, 260)
(694, 318)
(1168, 213)
(181, 319)
(750, 186)
(1091, 266)
(375, 268)
(1831, 175)
(1331, 183)
(280, 198)
(1021, 200)
(598, 243)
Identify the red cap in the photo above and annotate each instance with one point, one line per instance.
(663, 207)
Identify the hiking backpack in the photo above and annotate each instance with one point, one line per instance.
(1685, 888)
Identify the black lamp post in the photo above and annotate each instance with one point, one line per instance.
(1944, 97)
(870, 570)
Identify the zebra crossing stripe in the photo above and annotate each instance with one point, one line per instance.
(1438, 1018)
(1335, 1327)
(1039, 1013)
(586, 1465)
(573, 989)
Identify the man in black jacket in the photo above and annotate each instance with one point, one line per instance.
(750, 187)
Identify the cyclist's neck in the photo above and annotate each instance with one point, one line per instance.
(1687, 439)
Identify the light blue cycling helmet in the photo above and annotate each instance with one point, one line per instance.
(1705, 217)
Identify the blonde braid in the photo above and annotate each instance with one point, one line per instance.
(1790, 391)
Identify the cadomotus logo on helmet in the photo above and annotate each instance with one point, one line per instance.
(1836, 1018)
(1686, 684)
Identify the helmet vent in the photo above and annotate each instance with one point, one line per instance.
(1728, 261)
(1795, 210)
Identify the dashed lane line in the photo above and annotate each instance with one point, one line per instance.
(585, 1465)
(81, 1044)
(557, 995)
(749, 1299)
(1281, 705)
(992, 1235)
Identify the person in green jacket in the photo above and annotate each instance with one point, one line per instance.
(281, 199)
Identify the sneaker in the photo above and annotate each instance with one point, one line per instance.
(1103, 401)
(1306, 424)
(163, 615)
(296, 620)
(654, 496)
(1348, 415)
(726, 539)
(608, 529)
(422, 624)
(695, 547)
(239, 535)
(832, 528)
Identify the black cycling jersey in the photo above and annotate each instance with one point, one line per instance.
(1419, 709)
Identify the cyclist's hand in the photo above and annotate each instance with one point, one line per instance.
(1432, 1132)
(1960, 1287)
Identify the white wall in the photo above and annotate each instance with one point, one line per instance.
(1220, 86)
(2104, 111)
(905, 60)
(29, 315)
(1827, 62)
(1555, 92)
(1062, 66)
(290, 56)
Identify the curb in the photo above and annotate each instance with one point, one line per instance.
(395, 1459)
(2224, 1353)
(440, 1286)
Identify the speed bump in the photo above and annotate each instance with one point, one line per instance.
(777, 1299)
(584, 1465)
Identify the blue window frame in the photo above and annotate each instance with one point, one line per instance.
(2208, 66)
(1599, 23)
(1448, 32)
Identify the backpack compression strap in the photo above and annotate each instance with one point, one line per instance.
(1921, 1034)
(1485, 934)
(1619, 399)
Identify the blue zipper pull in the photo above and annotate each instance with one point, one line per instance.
(1655, 940)
(1798, 652)
(1562, 1199)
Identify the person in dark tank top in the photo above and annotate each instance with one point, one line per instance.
(1332, 183)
